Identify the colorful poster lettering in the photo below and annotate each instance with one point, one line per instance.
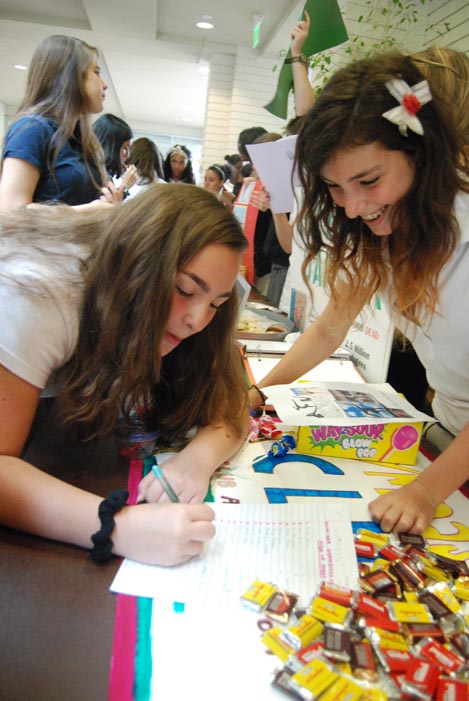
(302, 476)
(369, 339)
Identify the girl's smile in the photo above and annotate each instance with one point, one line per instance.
(367, 181)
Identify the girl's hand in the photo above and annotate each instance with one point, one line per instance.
(129, 177)
(260, 199)
(115, 195)
(162, 534)
(407, 509)
(255, 399)
(110, 194)
(188, 482)
(299, 34)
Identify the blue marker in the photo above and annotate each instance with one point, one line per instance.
(157, 471)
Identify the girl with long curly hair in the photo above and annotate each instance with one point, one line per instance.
(385, 173)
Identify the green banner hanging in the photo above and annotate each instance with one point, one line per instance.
(327, 30)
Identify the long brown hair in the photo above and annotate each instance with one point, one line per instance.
(145, 156)
(348, 113)
(132, 254)
(447, 71)
(55, 89)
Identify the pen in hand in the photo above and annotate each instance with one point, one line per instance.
(157, 471)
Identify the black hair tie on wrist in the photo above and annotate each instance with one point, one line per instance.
(263, 396)
(102, 550)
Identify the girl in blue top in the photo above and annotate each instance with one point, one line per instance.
(50, 151)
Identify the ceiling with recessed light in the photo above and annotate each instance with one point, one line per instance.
(154, 57)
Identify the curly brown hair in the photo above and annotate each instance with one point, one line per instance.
(347, 114)
(447, 71)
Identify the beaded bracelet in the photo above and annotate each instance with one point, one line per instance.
(102, 550)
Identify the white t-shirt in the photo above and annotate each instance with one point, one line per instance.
(442, 343)
(141, 186)
(39, 315)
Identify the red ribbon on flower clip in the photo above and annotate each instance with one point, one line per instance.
(411, 103)
(411, 100)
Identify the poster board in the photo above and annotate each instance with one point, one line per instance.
(370, 337)
(146, 634)
(246, 214)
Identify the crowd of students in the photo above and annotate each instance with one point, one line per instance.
(123, 294)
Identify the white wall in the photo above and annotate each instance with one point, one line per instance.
(435, 17)
(218, 109)
(241, 85)
(238, 89)
(2, 121)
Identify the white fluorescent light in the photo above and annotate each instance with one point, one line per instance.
(205, 22)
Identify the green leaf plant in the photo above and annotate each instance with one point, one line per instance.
(384, 25)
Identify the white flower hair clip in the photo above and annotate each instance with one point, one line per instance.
(411, 100)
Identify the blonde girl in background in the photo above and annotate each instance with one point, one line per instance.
(146, 158)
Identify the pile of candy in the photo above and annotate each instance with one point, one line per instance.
(403, 634)
(265, 428)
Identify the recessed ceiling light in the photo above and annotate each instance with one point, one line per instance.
(21, 67)
(205, 22)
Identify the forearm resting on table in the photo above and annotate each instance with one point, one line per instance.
(212, 445)
(162, 534)
(35, 502)
(412, 507)
(315, 345)
(319, 340)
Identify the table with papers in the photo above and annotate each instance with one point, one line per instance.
(191, 635)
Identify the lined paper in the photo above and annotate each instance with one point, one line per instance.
(295, 546)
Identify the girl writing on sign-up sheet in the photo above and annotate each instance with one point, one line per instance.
(131, 306)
